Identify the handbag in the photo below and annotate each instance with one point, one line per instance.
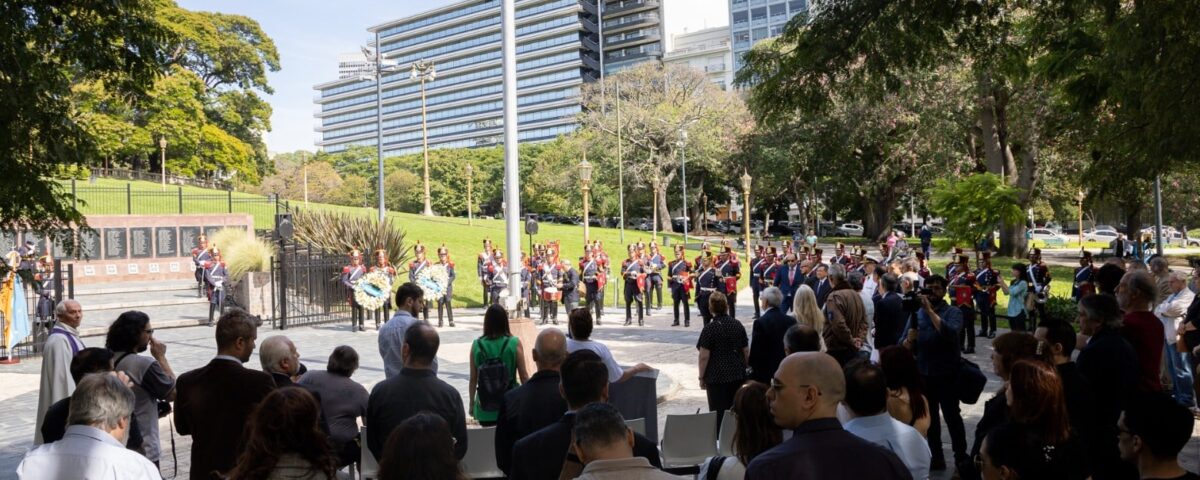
(969, 381)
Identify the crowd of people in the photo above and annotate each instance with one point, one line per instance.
(849, 370)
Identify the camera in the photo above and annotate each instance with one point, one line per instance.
(912, 300)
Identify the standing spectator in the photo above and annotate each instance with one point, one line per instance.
(866, 400)
(926, 240)
(856, 280)
(536, 403)
(1012, 451)
(1189, 334)
(820, 284)
(152, 377)
(1154, 429)
(804, 398)
(604, 445)
(801, 338)
(1108, 276)
(1137, 294)
(1109, 365)
(94, 445)
(1036, 401)
(846, 332)
(935, 339)
(545, 454)
(724, 352)
(89, 360)
(788, 278)
(1007, 350)
(766, 341)
(906, 389)
(1161, 271)
(807, 312)
(343, 401)
(755, 433)
(213, 403)
(579, 324)
(284, 441)
(409, 301)
(1018, 290)
(1056, 341)
(415, 389)
(496, 343)
(61, 345)
(279, 358)
(1171, 312)
(421, 448)
(890, 316)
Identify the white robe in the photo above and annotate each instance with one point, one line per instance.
(57, 383)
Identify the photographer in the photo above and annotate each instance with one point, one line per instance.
(153, 379)
(934, 338)
(1018, 301)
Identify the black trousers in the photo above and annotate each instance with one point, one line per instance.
(656, 286)
(754, 295)
(632, 295)
(592, 299)
(549, 310)
(720, 398)
(966, 336)
(987, 315)
(678, 298)
(702, 304)
(941, 395)
(487, 295)
(732, 297)
(1017, 323)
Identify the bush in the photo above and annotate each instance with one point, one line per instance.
(72, 171)
(1059, 308)
(242, 252)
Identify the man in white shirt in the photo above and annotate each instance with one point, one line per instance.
(1171, 312)
(94, 444)
(866, 401)
(61, 346)
(579, 323)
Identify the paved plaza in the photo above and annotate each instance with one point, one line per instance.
(669, 349)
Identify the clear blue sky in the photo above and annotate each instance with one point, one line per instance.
(310, 34)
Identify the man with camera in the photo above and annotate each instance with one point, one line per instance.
(933, 336)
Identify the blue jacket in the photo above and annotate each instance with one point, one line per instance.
(937, 349)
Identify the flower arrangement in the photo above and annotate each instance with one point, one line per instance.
(434, 281)
(372, 290)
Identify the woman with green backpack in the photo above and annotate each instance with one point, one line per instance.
(497, 361)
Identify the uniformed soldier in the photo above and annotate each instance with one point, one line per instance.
(382, 264)
(1039, 275)
(729, 270)
(482, 263)
(655, 265)
(526, 286)
(770, 270)
(631, 270)
(705, 251)
(952, 267)
(680, 285)
(415, 268)
(533, 293)
(350, 275)
(200, 258)
(214, 279)
(1085, 277)
(987, 282)
(550, 280)
(497, 275)
(593, 283)
(961, 292)
(570, 285)
(606, 272)
(707, 282)
(840, 256)
(757, 266)
(44, 283)
(445, 299)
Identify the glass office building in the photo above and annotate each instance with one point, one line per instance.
(558, 49)
(754, 20)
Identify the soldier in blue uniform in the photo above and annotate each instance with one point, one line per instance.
(44, 283)
(631, 269)
(444, 300)
(729, 270)
(414, 271)
(707, 282)
(550, 278)
(593, 285)
(1039, 284)
(526, 284)
(1085, 278)
(757, 265)
(350, 275)
(200, 258)
(962, 287)
(680, 284)
(987, 280)
(214, 278)
(654, 281)
(382, 264)
(497, 275)
(570, 285)
(482, 264)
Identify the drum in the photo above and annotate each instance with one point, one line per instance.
(551, 293)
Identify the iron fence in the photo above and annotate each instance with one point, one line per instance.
(42, 292)
(127, 174)
(309, 287)
(127, 200)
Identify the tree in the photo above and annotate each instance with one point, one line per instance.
(974, 205)
(355, 191)
(403, 192)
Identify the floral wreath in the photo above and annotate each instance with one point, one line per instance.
(372, 290)
(434, 281)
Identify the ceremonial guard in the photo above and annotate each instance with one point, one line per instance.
(705, 252)
(44, 283)
(952, 267)
(1039, 275)
(707, 282)
(350, 275)
(550, 281)
(680, 285)
(817, 258)
(497, 276)
(532, 293)
(214, 279)
(606, 268)
(770, 270)
(631, 272)
(655, 265)
(570, 285)
(841, 257)
(382, 264)
(757, 265)
(200, 258)
(445, 299)
(962, 288)
(1085, 278)
(593, 282)
(730, 271)
(482, 263)
(415, 268)
(526, 285)
(987, 282)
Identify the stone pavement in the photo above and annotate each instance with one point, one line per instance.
(669, 349)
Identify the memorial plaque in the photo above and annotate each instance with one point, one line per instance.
(173, 267)
(141, 242)
(110, 269)
(8, 241)
(89, 244)
(133, 269)
(211, 230)
(64, 243)
(116, 243)
(152, 268)
(39, 242)
(89, 270)
(188, 239)
(166, 242)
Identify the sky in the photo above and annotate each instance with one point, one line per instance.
(309, 35)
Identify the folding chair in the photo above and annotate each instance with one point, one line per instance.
(725, 438)
(368, 468)
(689, 439)
(480, 461)
(637, 424)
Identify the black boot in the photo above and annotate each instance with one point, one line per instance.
(450, 313)
(211, 308)
(362, 319)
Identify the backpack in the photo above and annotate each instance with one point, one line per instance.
(494, 379)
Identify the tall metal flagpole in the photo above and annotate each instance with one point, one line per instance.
(1158, 230)
(379, 122)
(512, 212)
(620, 168)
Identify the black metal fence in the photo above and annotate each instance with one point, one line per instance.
(127, 174)
(308, 287)
(127, 200)
(41, 295)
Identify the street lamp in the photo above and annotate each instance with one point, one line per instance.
(683, 181)
(655, 184)
(1079, 201)
(746, 181)
(382, 66)
(585, 180)
(162, 159)
(470, 178)
(424, 71)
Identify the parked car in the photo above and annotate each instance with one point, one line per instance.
(678, 223)
(850, 230)
(826, 229)
(780, 230)
(1098, 235)
(595, 221)
(547, 218)
(1045, 234)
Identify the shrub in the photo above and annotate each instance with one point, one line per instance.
(72, 171)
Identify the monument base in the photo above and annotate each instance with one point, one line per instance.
(527, 331)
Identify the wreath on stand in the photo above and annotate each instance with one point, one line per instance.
(371, 291)
(434, 281)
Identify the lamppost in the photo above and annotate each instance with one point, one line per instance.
(470, 178)
(382, 66)
(655, 184)
(162, 159)
(304, 166)
(424, 71)
(683, 181)
(585, 180)
(746, 180)
(1079, 201)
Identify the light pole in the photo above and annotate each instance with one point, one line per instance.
(382, 66)
(1079, 201)
(424, 71)
(683, 181)
(470, 178)
(304, 166)
(746, 181)
(512, 190)
(162, 159)
(655, 184)
(585, 180)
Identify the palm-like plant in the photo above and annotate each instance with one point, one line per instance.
(341, 233)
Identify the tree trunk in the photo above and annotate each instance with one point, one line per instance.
(877, 213)
(1133, 219)
(664, 218)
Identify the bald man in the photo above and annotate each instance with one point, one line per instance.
(537, 403)
(804, 396)
(280, 359)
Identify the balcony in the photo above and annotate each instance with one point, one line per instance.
(629, 6)
(633, 40)
(625, 23)
(718, 67)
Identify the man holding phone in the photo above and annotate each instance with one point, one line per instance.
(934, 339)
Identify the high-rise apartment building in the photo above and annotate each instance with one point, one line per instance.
(705, 50)
(558, 49)
(353, 65)
(753, 20)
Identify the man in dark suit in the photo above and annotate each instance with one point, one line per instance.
(213, 403)
(766, 342)
(537, 403)
(789, 277)
(414, 390)
(819, 282)
(1110, 367)
(544, 454)
(890, 316)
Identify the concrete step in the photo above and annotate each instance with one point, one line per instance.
(95, 323)
(133, 287)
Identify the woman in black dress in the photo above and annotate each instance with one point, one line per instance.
(724, 353)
